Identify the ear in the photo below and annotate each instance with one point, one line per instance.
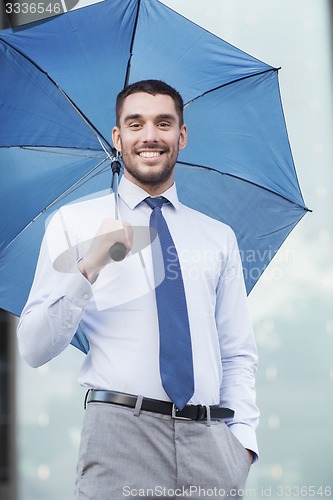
(116, 138)
(182, 137)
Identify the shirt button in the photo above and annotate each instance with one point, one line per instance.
(68, 324)
(86, 296)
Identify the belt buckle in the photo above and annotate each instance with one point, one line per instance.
(174, 415)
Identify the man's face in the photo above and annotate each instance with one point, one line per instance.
(149, 137)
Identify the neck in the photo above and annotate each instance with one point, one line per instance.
(153, 189)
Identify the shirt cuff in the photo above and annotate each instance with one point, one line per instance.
(78, 290)
(247, 436)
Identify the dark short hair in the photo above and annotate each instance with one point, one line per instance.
(152, 87)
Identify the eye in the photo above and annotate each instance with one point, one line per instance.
(164, 125)
(135, 125)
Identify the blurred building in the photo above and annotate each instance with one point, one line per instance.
(7, 410)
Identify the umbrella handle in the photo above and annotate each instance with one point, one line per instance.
(118, 250)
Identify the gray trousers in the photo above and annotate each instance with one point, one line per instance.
(151, 455)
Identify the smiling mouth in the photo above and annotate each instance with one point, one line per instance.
(150, 154)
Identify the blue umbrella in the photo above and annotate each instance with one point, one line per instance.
(59, 80)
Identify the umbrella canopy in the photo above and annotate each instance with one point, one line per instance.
(59, 81)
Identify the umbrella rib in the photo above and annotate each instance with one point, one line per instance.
(280, 245)
(192, 167)
(94, 130)
(49, 151)
(204, 167)
(83, 180)
(230, 83)
(128, 69)
(212, 34)
(80, 182)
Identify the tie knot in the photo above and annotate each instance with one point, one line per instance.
(156, 202)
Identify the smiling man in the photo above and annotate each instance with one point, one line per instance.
(149, 139)
(170, 409)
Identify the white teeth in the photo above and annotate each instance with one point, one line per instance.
(149, 154)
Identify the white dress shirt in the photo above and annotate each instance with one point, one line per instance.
(118, 312)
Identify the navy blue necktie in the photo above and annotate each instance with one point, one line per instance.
(176, 363)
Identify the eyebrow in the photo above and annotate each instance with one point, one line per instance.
(137, 116)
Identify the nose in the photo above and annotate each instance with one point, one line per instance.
(150, 133)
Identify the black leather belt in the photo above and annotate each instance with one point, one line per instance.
(189, 412)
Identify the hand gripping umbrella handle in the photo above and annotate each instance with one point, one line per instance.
(118, 250)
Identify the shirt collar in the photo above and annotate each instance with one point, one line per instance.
(133, 195)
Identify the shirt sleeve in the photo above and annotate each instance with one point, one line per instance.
(57, 299)
(238, 350)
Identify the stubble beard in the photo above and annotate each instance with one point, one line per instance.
(150, 177)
